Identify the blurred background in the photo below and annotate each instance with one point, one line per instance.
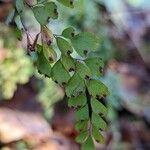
(33, 110)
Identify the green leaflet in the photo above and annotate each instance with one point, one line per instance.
(18, 22)
(51, 9)
(82, 114)
(85, 42)
(98, 107)
(88, 144)
(47, 36)
(82, 137)
(47, 39)
(83, 70)
(96, 65)
(75, 86)
(18, 34)
(43, 65)
(81, 125)
(40, 14)
(68, 32)
(97, 89)
(49, 54)
(43, 12)
(59, 73)
(68, 3)
(98, 122)
(20, 5)
(78, 101)
(68, 62)
(64, 46)
(97, 135)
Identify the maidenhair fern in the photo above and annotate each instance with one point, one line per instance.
(78, 77)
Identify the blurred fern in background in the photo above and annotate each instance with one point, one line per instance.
(15, 66)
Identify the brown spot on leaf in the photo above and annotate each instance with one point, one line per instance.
(80, 92)
(104, 119)
(97, 141)
(68, 52)
(48, 19)
(100, 114)
(72, 34)
(100, 69)
(56, 82)
(50, 59)
(55, 11)
(63, 83)
(97, 97)
(87, 77)
(71, 2)
(46, 76)
(39, 72)
(49, 42)
(71, 69)
(85, 52)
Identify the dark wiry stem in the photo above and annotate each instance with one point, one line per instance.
(89, 103)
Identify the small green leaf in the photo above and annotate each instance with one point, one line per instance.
(68, 33)
(75, 86)
(40, 14)
(50, 54)
(68, 3)
(96, 65)
(83, 70)
(97, 135)
(20, 5)
(81, 125)
(18, 34)
(64, 46)
(98, 107)
(47, 39)
(82, 137)
(85, 42)
(51, 10)
(43, 65)
(68, 62)
(47, 36)
(77, 101)
(18, 22)
(82, 114)
(89, 144)
(97, 89)
(59, 73)
(98, 122)
(43, 12)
